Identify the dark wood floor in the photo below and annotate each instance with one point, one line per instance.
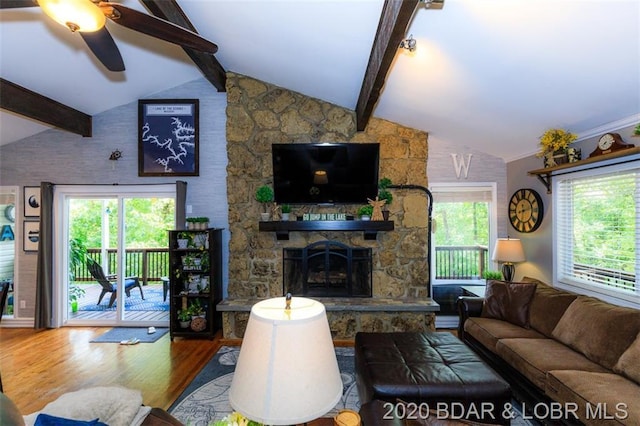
(39, 366)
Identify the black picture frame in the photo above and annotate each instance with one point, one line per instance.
(31, 198)
(30, 235)
(168, 137)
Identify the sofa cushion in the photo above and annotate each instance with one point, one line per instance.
(547, 306)
(488, 331)
(610, 398)
(508, 301)
(533, 358)
(629, 363)
(599, 330)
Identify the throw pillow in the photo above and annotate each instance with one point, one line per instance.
(508, 302)
(598, 330)
(629, 363)
(47, 420)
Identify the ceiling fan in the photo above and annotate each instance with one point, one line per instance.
(88, 18)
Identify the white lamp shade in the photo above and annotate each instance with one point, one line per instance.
(287, 372)
(86, 15)
(508, 250)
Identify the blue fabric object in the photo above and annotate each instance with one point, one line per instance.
(47, 420)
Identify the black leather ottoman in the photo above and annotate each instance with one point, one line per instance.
(435, 371)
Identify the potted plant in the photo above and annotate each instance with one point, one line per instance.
(264, 195)
(184, 318)
(492, 275)
(365, 212)
(184, 238)
(286, 210)
(553, 146)
(636, 131)
(196, 309)
(385, 194)
(75, 293)
(197, 223)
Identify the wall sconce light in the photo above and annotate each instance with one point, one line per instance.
(115, 155)
(433, 4)
(409, 43)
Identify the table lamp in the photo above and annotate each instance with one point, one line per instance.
(287, 372)
(508, 251)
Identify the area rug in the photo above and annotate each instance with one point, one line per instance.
(118, 334)
(206, 397)
(153, 301)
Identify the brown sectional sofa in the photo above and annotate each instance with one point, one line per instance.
(568, 357)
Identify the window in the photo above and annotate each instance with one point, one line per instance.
(464, 229)
(597, 230)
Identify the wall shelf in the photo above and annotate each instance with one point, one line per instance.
(545, 175)
(369, 227)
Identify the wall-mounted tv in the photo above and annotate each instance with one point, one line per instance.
(325, 173)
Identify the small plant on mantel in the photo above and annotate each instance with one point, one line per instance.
(264, 195)
(366, 211)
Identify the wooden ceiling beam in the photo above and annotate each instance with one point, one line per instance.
(212, 69)
(30, 104)
(394, 20)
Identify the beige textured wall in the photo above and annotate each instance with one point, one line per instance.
(259, 114)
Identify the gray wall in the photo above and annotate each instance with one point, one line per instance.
(538, 245)
(63, 158)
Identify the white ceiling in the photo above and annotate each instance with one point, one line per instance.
(487, 74)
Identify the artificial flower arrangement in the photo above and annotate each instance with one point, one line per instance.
(555, 140)
(235, 419)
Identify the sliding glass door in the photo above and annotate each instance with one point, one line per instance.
(116, 254)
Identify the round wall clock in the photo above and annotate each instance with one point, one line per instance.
(525, 210)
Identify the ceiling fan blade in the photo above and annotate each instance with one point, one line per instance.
(102, 45)
(13, 4)
(156, 27)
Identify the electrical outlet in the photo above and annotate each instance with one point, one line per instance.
(23, 304)
(189, 209)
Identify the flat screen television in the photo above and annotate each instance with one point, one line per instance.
(325, 173)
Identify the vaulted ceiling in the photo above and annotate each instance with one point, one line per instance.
(491, 75)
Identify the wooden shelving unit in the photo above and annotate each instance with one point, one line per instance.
(369, 227)
(546, 174)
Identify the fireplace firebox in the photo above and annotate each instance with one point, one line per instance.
(327, 269)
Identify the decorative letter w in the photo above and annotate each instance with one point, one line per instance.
(458, 166)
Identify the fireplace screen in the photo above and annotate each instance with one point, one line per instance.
(327, 269)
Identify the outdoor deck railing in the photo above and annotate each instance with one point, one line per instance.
(148, 264)
(461, 262)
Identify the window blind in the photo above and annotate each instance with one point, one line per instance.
(598, 216)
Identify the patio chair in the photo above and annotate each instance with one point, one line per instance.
(111, 287)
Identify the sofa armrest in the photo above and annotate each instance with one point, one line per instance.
(468, 306)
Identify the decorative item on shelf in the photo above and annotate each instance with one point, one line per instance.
(197, 223)
(194, 284)
(365, 212)
(198, 323)
(200, 241)
(264, 195)
(184, 318)
(385, 194)
(508, 251)
(574, 155)
(287, 372)
(636, 131)
(376, 212)
(196, 309)
(553, 146)
(183, 240)
(286, 210)
(608, 143)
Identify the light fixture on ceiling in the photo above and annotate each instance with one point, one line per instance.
(287, 371)
(433, 4)
(409, 43)
(508, 251)
(77, 15)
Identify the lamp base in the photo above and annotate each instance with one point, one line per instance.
(508, 271)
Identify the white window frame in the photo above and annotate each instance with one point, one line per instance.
(493, 222)
(583, 286)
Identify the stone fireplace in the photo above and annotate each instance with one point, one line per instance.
(327, 269)
(260, 114)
